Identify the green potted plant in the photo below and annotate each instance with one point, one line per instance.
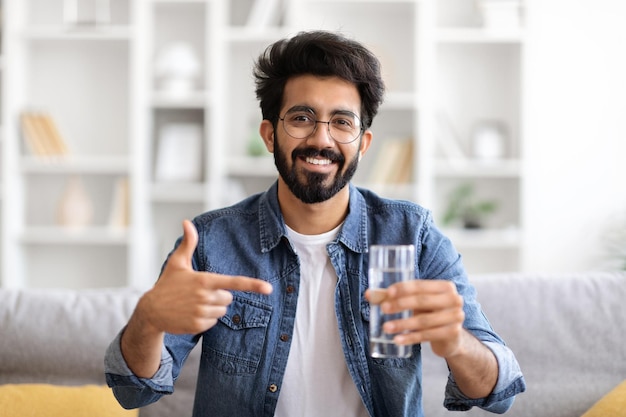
(464, 207)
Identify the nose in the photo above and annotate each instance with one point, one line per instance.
(321, 133)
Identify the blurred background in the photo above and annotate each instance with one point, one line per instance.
(120, 118)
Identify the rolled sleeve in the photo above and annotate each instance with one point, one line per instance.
(510, 383)
(130, 390)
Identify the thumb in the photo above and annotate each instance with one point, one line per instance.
(181, 257)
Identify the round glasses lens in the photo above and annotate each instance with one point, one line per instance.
(344, 127)
(299, 125)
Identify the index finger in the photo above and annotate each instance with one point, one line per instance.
(423, 286)
(240, 283)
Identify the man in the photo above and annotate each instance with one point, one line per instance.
(276, 286)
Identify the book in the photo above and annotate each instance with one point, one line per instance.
(381, 166)
(179, 153)
(41, 134)
(448, 140)
(393, 164)
(56, 143)
(32, 135)
(264, 13)
(404, 168)
(119, 216)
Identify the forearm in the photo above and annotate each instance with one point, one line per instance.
(474, 367)
(141, 346)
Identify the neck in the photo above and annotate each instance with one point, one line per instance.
(312, 219)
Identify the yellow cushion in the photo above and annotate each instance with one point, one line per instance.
(44, 400)
(612, 404)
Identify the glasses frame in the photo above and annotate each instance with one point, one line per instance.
(327, 122)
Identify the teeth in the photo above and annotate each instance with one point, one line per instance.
(318, 161)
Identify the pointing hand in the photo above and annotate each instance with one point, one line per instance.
(187, 301)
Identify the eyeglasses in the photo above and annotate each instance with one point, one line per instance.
(343, 126)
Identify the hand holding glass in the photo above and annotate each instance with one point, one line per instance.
(387, 265)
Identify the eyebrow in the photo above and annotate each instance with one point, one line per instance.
(302, 108)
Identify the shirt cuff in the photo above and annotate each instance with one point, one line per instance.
(510, 383)
(115, 364)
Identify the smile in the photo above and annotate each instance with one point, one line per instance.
(318, 161)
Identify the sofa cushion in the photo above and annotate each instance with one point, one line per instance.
(565, 332)
(612, 404)
(45, 400)
(59, 336)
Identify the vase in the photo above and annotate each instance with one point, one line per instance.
(489, 141)
(75, 209)
(177, 68)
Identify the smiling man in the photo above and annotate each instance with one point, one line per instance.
(275, 287)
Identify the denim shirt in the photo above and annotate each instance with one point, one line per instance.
(245, 354)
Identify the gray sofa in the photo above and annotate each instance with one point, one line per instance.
(568, 332)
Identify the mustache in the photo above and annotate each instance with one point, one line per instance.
(322, 153)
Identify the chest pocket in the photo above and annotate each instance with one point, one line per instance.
(235, 344)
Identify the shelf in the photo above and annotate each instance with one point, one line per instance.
(509, 238)
(192, 100)
(381, 2)
(396, 191)
(506, 168)
(479, 35)
(262, 35)
(400, 100)
(251, 166)
(45, 235)
(178, 192)
(76, 164)
(60, 32)
(175, 2)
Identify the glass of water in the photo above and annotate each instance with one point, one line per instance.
(388, 264)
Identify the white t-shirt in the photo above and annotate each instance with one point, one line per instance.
(317, 381)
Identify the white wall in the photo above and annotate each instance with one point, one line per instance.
(576, 109)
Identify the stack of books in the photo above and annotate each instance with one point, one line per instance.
(394, 163)
(41, 135)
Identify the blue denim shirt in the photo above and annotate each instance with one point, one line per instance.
(244, 356)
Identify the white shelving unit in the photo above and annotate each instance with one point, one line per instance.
(83, 77)
(2, 124)
(102, 87)
(479, 76)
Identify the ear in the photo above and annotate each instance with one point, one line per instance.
(366, 141)
(266, 129)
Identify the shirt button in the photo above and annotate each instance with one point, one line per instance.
(236, 319)
(290, 289)
(284, 337)
(273, 388)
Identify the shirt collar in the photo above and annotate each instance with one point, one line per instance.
(272, 228)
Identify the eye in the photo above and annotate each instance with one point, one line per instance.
(300, 118)
(344, 122)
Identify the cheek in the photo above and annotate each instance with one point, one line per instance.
(353, 153)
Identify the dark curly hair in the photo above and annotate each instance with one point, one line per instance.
(319, 53)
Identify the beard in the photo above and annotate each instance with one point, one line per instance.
(313, 187)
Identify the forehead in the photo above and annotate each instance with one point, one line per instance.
(323, 94)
